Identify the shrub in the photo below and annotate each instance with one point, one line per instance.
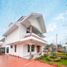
(55, 59)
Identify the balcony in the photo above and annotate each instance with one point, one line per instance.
(34, 35)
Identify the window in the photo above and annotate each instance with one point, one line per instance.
(28, 48)
(15, 48)
(2, 50)
(11, 46)
(28, 30)
(32, 48)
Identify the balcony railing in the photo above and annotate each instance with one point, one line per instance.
(34, 35)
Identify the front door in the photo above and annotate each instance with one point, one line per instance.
(38, 49)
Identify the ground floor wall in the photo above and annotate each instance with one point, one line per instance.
(22, 50)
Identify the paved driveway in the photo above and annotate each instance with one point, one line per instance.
(12, 61)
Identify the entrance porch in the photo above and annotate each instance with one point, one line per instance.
(32, 51)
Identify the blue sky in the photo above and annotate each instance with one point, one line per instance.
(54, 13)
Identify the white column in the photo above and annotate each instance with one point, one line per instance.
(30, 30)
(30, 48)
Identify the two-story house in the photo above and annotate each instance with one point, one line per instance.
(24, 38)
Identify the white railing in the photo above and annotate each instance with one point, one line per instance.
(34, 35)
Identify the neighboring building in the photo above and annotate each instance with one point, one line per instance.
(64, 49)
(51, 48)
(59, 48)
(24, 38)
(1, 43)
(2, 49)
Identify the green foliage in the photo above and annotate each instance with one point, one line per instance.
(55, 59)
(53, 54)
(62, 55)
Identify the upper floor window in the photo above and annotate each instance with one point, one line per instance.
(28, 30)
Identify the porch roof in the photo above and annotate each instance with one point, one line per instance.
(29, 40)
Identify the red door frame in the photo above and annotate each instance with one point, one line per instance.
(38, 49)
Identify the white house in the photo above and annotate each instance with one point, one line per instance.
(24, 38)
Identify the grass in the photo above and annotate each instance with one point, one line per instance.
(44, 59)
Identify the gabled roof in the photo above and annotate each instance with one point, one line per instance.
(2, 40)
(39, 17)
(21, 18)
(11, 29)
(25, 18)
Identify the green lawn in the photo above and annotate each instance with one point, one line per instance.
(44, 59)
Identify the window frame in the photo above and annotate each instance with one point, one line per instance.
(32, 48)
(28, 48)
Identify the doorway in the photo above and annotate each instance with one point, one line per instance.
(38, 49)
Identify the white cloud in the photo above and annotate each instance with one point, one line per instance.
(50, 38)
(51, 27)
(56, 26)
(59, 17)
(66, 12)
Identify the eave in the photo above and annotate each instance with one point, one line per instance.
(29, 40)
(10, 30)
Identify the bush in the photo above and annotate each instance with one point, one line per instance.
(62, 55)
(55, 59)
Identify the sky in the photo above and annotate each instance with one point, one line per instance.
(54, 13)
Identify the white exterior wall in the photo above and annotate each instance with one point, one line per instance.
(26, 54)
(22, 31)
(11, 50)
(19, 50)
(16, 35)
